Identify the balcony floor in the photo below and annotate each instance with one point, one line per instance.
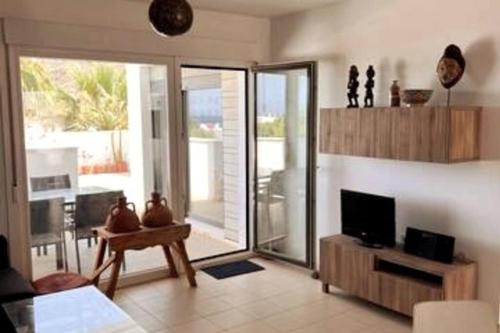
(200, 244)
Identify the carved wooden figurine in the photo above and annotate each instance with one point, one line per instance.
(352, 87)
(370, 84)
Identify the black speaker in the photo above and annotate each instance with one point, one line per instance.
(429, 245)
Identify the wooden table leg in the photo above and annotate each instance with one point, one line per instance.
(187, 265)
(170, 260)
(101, 251)
(114, 275)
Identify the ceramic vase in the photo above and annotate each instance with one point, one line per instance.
(395, 99)
(157, 213)
(122, 219)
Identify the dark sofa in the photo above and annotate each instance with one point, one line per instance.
(13, 286)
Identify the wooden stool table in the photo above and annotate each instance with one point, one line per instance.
(166, 237)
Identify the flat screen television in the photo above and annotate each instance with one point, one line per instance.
(368, 217)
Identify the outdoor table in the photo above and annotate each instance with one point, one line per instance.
(167, 237)
(69, 194)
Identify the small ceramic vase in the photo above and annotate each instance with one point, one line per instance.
(122, 219)
(395, 97)
(157, 213)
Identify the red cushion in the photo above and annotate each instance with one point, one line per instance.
(59, 282)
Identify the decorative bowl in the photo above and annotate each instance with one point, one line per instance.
(416, 97)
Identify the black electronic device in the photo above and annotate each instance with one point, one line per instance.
(369, 217)
(429, 245)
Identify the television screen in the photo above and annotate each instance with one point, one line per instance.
(369, 217)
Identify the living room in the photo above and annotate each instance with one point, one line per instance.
(239, 140)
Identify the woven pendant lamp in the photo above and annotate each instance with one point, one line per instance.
(171, 17)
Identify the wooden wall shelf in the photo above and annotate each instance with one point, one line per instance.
(392, 278)
(426, 134)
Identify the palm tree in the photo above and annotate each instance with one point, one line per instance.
(39, 92)
(98, 102)
(35, 76)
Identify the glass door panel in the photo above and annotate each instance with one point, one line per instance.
(94, 130)
(215, 107)
(284, 161)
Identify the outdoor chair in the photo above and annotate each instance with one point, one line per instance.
(91, 211)
(270, 192)
(48, 183)
(47, 227)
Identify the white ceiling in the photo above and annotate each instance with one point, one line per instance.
(260, 8)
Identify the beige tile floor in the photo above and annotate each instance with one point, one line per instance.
(280, 299)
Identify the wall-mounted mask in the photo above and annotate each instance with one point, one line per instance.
(451, 66)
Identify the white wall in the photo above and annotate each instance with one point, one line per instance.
(273, 151)
(53, 161)
(404, 39)
(96, 24)
(205, 169)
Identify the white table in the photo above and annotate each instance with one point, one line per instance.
(82, 310)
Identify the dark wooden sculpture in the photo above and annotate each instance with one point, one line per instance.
(352, 87)
(171, 17)
(370, 84)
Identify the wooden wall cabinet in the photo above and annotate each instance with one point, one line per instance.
(426, 134)
(392, 278)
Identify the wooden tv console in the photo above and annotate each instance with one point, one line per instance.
(390, 277)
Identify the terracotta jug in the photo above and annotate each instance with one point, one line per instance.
(122, 219)
(157, 213)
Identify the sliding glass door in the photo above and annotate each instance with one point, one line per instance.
(285, 161)
(93, 131)
(215, 119)
(89, 130)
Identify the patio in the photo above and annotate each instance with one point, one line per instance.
(200, 244)
(207, 238)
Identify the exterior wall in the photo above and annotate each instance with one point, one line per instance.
(203, 184)
(48, 162)
(404, 40)
(139, 120)
(93, 147)
(234, 154)
(273, 150)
